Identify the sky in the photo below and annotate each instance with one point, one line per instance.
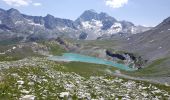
(140, 12)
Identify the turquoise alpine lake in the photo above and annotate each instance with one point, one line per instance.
(67, 57)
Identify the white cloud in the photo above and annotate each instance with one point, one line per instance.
(19, 3)
(37, 4)
(116, 3)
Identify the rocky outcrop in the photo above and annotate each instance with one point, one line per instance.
(128, 59)
(66, 45)
(118, 56)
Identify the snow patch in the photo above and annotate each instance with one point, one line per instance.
(133, 30)
(32, 23)
(35, 24)
(151, 41)
(97, 23)
(86, 25)
(168, 29)
(19, 22)
(160, 48)
(161, 31)
(92, 24)
(115, 28)
(28, 20)
(0, 22)
(31, 32)
(62, 28)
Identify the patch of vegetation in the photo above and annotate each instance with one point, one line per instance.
(18, 81)
(85, 69)
(11, 41)
(46, 80)
(105, 44)
(160, 86)
(54, 48)
(18, 54)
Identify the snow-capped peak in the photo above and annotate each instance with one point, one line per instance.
(92, 24)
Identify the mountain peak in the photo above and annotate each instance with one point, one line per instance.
(88, 15)
(91, 10)
(2, 9)
(104, 14)
(49, 16)
(167, 21)
(12, 10)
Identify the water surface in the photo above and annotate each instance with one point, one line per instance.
(88, 59)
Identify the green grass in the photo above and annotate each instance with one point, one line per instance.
(105, 44)
(11, 41)
(9, 88)
(18, 54)
(26, 51)
(85, 69)
(54, 48)
(160, 86)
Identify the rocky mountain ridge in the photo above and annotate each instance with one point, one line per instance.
(152, 44)
(90, 25)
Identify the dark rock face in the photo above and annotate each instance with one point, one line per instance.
(60, 41)
(107, 25)
(131, 56)
(83, 36)
(126, 24)
(166, 21)
(50, 22)
(107, 20)
(88, 16)
(4, 27)
(115, 55)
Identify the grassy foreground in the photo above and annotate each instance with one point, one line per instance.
(40, 79)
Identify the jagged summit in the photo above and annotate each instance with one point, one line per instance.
(166, 21)
(49, 15)
(12, 10)
(92, 10)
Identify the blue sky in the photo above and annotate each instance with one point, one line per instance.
(140, 12)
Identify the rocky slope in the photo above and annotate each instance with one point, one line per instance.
(152, 44)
